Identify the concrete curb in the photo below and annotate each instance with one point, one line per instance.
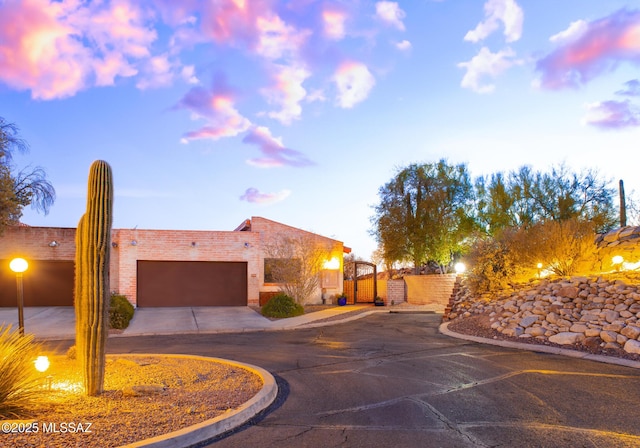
(211, 428)
(444, 329)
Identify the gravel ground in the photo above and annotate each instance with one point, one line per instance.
(480, 325)
(144, 397)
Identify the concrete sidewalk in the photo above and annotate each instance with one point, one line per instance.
(59, 322)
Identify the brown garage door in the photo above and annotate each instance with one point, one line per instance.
(45, 283)
(192, 283)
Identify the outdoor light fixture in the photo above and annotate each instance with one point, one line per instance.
(19, 265)
(42, 363)
(617, 261)
(460, 268)
(134, 243)
(53, 244)
(114, 245)
(332, 264)
(247, 245)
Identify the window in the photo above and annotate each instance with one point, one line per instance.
(281, 270)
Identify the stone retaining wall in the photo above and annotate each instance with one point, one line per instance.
(594, 311)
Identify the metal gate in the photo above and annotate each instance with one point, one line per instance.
(360, 284)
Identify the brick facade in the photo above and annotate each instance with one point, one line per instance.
(129, 246)
(429, 289)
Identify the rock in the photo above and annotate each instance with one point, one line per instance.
(570, 292)
(535, 331)
(632, 346)
(631, 332)
(608, 336)
(613, 327)
(592, 332)
(610, 315)
(578, 328)
(515, 332)
(552, 318)
(528, 321)
(566, 337)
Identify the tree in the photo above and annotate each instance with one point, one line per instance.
(294, 262)
(28, 186)
(424, 213)
(524, 198)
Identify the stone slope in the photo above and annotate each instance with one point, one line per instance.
(597, 311)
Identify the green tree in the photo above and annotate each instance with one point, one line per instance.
(524, 198)
(424, 213)
(19, 188)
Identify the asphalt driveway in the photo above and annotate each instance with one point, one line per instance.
(392, 380)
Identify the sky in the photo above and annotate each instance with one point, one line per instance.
(210, 112)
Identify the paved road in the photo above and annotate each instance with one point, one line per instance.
(394, 381)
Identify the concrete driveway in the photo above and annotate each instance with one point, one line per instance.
(391, 380)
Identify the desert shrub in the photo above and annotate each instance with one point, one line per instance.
(20, 382)
(491, 266)
(120, 312)
(282, 305)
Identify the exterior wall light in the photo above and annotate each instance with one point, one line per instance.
(332, 264)
(53, 244)
(459, 268)
(617, 262)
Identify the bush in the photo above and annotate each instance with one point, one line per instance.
(282, 305)
(120, 312)
(20, 382)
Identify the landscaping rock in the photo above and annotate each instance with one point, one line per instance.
(566, 337)
(632, 346)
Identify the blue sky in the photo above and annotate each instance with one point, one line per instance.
(211, 112)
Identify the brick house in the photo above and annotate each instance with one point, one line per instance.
(155, 268)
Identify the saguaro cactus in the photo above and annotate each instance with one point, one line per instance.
(93, 245)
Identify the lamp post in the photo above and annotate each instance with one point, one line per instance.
(19, 265)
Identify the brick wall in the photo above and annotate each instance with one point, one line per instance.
(34, 243)
(396, 291)
(129, 246)
(269, 230)
(429, 289)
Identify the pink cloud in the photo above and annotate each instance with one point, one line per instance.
(217, 108)
(287, 92)
(38, 51)
(333, 23)
(56, 49)
(589, 51)
(275, 154)
(354, 82)
(612, 115)
(254, 196)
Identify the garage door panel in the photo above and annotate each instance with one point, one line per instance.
(191, 283)
(45, 283)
